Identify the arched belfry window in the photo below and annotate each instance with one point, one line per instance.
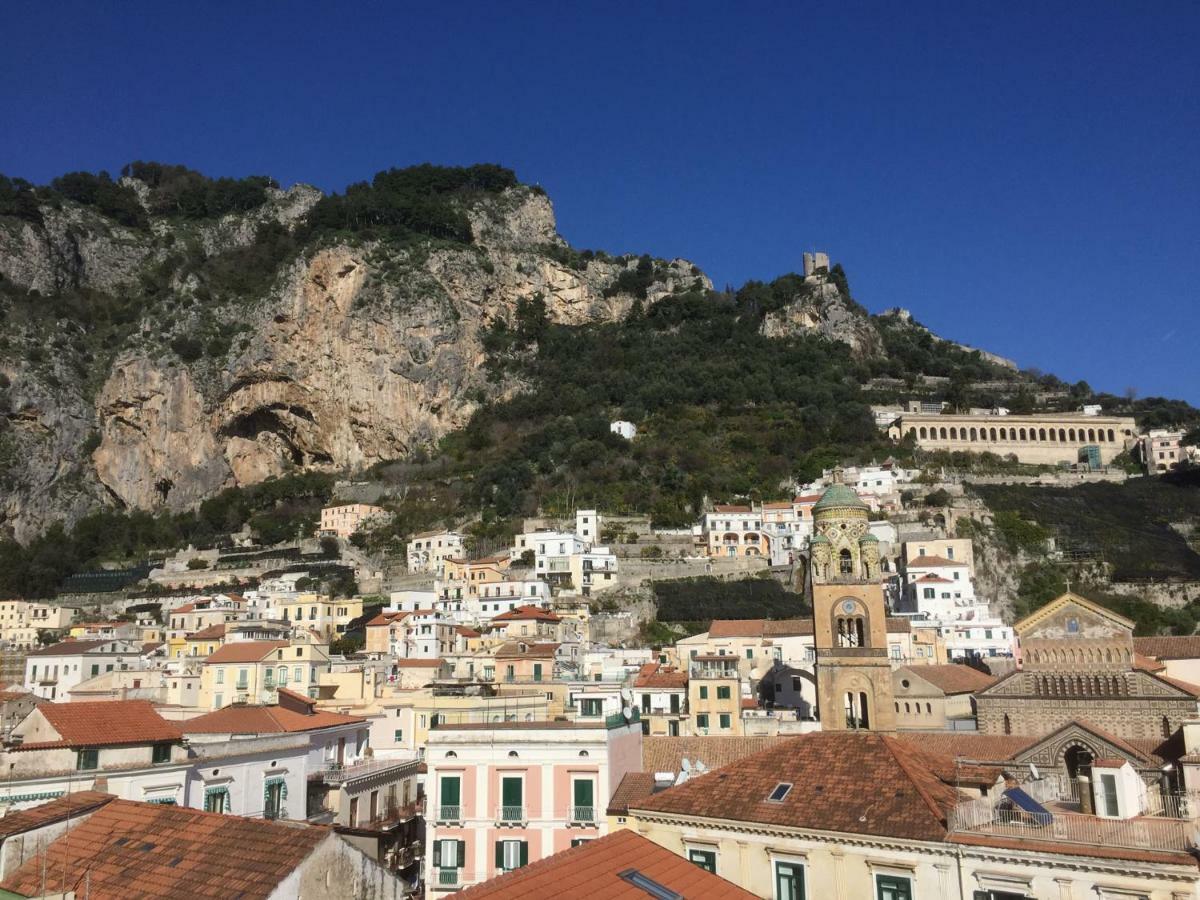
(846, 563)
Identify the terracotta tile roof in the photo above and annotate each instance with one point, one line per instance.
(244, 651)
(725, 628)
(952, 678)
(467, 632)
(930, 562)
(656, 675)
(69, 647)
(971, 745)
(1148, 663)
(526, 613)
(634, 786)
(262, 719)
(105, 723)
(593, 870)
(1169, 646)
(749, 703)
(512, 650)
(933, 579)
(1108, 762)
(1185, 686)
(186, 608)
(787, 627)
(665, 754)
(827, 771)
(128, 850)
(387, 618)
(65, 807)
(207, 634)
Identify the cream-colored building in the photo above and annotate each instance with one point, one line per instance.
(862, 816)
(342, 521)
(327, 616)
(429, 550)
(1042, 439)
(21, 620)
(251, 671)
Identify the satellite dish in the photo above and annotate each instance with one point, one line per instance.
(686, 765)
(627, 713)
(1033, 770)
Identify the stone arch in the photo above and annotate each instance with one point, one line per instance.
(974, 434)
(954, 434)
(1077, 757)
(1041, 434)
(993, 434)
(943, 434)
(922, 431)
(1062, 435)
(1071, 434)
(1003, 434)
(1111, 437)
(1022, 434)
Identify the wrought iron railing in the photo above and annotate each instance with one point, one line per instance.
(510, 814)
(583, 815)
(449, 877)
(448, 813)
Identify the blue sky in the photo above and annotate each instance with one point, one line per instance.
(1023, 177)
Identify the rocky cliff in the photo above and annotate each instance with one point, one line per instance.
(127, 378)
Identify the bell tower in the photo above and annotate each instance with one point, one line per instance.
(854, 676)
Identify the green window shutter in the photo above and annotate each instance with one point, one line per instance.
(583, 792)
(450, 790)
(499, 854)
(524, 853)
(437, 854)
(462, 854)
(511, 792)
(703, 692)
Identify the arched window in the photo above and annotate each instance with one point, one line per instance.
(973, 434)
(1007, 724)
(993, 434)
(1022, 434)
(906, 709)
(1091, 435)
(1070, 434)
(922, 431)
(1111, 437)
(845, 563)
(954, 434)
(1003, 434)
(1166, 727)
(1062, 435)
(929, 709)
(1041, 434)
(943, 434)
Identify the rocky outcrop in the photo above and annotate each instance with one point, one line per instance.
(820, 307)
(357, 353)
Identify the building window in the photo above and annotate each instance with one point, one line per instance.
(789, 881)
(749, 653)
(725, 720)
(703, 692)
(448, 857)
(723, 692)
(511, 855)
(87, 759)
(398, 735)
(449, 799)
(512, 799)
(702, 720)
(705, 859)
(893, 887)
(162, 753)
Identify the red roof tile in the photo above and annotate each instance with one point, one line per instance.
(128, 850)
(952, 678)
(275, 719)
(930, 562)
(70, 647)
(212, 632)
(827, 771)
(655, 675)
(634, 786)
(666, 754)
(593, 870)
(244, 651)
(105, 723)
(532, 651)
(1169, 646)
(66, 807)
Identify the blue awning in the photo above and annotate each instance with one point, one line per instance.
(1038, 813)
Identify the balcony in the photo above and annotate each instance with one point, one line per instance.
(511, 815)
(341, 774)
(449, 815)
(449, 878)
(582, 815)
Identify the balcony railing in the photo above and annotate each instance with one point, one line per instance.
(449, 877)
(339, 774)
(511, 815)
(583, 815)
(448, 814)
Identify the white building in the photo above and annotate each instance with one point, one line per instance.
(625, 429)
(429, 550)
(939, 592)
(51, 672)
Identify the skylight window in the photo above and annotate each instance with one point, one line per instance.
(649, 885)
(781, 791)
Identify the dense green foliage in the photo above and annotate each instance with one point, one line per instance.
(705, 599)
(180, 192)
(400, 204)
(276, 509)
(117, 201)
(1126, 525)
(19, 199)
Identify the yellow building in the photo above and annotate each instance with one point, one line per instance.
(251, 671)
(466, 578)
(714, 695)
(327, 616)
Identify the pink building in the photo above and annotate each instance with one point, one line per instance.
(506, 794)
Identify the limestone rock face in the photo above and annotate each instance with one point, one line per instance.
(355, 354)
(821, 308)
